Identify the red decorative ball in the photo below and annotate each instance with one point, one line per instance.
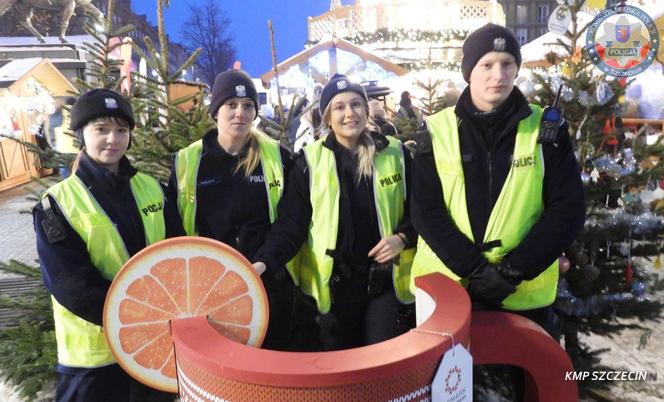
(563, 264)
(629, 274)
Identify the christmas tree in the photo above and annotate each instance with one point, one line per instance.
(609, 275)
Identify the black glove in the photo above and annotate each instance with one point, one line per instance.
(379, 277)
(490, 284)
(509, 273)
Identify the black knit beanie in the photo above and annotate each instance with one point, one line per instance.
(100, 102)
(489, 38)
(337, 84)
(232, 84)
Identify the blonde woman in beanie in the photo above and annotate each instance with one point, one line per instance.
(86, 227)
(494, 204)
(345, 211)
(227, 186)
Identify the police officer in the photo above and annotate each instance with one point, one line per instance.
(494, 207)
(87, 226)
(227, 186)
(346, 211)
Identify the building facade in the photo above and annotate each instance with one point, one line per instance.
(528, 19)
(423, 15)
(48, 24)
(410, 33)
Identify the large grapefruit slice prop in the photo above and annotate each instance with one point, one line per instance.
(173, 279)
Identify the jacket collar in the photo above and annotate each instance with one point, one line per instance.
(506, 116)
(211, 146)
(95, 175)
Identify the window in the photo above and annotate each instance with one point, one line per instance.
(543, 13)
(521, 13)
(522, 35)
(541, 31)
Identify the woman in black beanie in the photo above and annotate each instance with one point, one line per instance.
(345, 211)
(86, 227)
(406, 108)
(227, 186)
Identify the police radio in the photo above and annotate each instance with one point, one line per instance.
(552, 118)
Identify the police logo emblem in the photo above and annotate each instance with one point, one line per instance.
(342, 84)
(499, 44)
(111, 103)
(622, 41)
(240, 91)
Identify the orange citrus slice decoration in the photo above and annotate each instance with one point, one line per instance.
(180, 278)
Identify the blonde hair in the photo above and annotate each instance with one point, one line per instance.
(366, 148)
(250, 161)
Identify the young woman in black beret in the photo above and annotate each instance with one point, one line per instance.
(86, 227)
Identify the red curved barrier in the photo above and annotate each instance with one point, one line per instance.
(504, 338)
(212, 368)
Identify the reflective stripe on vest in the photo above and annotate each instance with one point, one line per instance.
(315, 266)
(187, 163)
(80, 342)
(517, 208)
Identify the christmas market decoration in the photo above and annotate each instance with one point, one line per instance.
(172, 280)
(26, 104)
(611, 263)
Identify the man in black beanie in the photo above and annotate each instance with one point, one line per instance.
(494, 206)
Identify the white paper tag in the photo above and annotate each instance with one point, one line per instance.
(453, 381)
(560, 20)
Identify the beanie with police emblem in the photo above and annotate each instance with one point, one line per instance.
(489, 38)
(232, 84)
(337, 84)
(100, 102)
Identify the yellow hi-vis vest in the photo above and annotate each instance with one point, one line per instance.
(80, 342)
(315, 265)
(188, 160)
(518, 208)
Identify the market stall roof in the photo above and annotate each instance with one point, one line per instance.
(14, 73)
(15, 69)
(331, 47)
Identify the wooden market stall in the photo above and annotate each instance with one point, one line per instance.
(27, 89)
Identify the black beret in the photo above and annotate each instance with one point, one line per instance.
(489, 38)
(339, 83)
(232, 84)
(100, 102)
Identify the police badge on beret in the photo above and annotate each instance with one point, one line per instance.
(111, 103)
(499, 44)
